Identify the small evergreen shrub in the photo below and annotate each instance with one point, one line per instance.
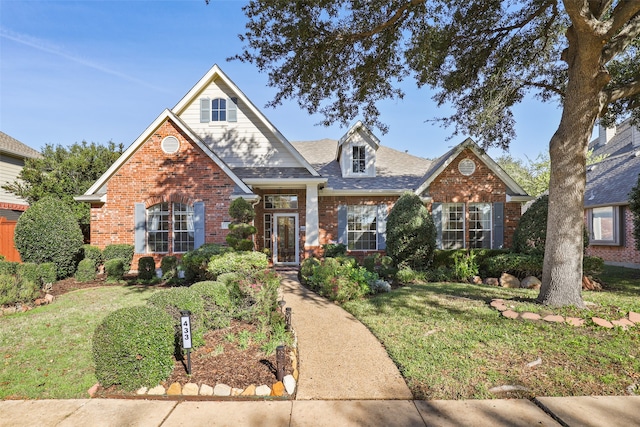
(341, 281)
(28, 290)
(306, 268)
(121, 251)
(174, 300)
(218, 309)
(49, 232)
(9, 288)
(465, 265)
(94, 253)
(169, 267)
(195, 262)
(240, 230)
(517, 264)
(334, 250)
(146, 268)
(114, 268)
(592, 265)
(133, 347)
(29, 271)
(406, 275)
(256, 297)
(411, 233)
(237, 262)
(382, 265)
(86, 270)
(48, 273)
(9, 267)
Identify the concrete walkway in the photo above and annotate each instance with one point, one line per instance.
(339, 358)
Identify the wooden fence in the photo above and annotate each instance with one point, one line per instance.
(7, 247)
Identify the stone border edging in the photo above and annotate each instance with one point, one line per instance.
(632, 319)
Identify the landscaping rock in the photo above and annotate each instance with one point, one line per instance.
(623, 323)
(498, 305)
(157, 391)
(553, 318)
(509, 281)
(602, 322)
(49, 298)
(142, 390)
(531, 282)
(277, 389)
(174, 389)
(491, 281)
(295, 374)
(222, 390)
(40, 301)
(289, 384)
(235, 391)
(190, 389)
(477, 280)
(206, 390)
(249, 391)
(530, 316)
(574, 321)
(510, 314)
(263, 390)
(92, 391)
(634, 317)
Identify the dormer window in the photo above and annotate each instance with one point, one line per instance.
(359, 159)
(218, 110)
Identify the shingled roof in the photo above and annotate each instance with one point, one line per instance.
(13, 147)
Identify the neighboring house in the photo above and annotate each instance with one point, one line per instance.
(606, 201)
(13, 154)
(170, 190)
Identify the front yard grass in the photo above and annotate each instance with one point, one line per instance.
(46, 352)
(450, 344)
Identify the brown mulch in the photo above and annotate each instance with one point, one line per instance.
(218, 361)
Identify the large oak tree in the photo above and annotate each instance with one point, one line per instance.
(341, 57)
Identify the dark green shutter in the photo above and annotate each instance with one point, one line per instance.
(140, 228)
(436, 214)
(342, 224)
(198, 224)
(498, 225)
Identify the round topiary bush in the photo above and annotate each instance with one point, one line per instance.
(48, 232)
(133, 347)
(86, 270)
(146, 268)
(173, 300)
(115, 269)
(411, 234)
(122, 251)
(94, 253)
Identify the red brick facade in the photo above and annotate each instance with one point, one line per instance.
(626, 254)
(151, 176)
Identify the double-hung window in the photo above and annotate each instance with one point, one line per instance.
(183, 230)
(359, 159)
(362, 226)
(158, 228)
(452, 225)
(162, 232)
(480, 225)
(218, 110)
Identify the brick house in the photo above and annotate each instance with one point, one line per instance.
(609, 219)
(170, 190)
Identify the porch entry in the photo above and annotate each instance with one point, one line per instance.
(285, 238)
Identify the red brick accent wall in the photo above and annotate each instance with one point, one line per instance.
(151, 176)
(626, 254)
(483, 186)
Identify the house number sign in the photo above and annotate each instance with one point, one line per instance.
(185, 325)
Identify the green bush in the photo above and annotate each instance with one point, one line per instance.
(255, 297)
(8, 267)
(240, 230)
(174, 300)
(133, 347)
(196, 262)
(306, 268)
(592, 265)
(406, 275)
(29, 271)
(49, 232)
(517, 264)
(9, 289)
(447, 257)
(334, 250)
(169, 267)
(382, 265)
(121, 251)
(86, 270)
(218, 309)
(146, 268)
(94, 253)
(28, 290)
(237, 262)
(341, 281)
(465, 265)
(114, 268)
(411, 233)
(48, 272)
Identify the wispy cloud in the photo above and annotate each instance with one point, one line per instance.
(46, 46)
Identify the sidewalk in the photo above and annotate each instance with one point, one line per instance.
(346, 379)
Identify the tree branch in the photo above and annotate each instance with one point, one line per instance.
(398, 16)
(622, 14)
(621, 40)
(545, 86)
(626, 91)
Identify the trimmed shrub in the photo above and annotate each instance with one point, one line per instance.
(28, 290)
(411, 233)
(240, 230)
(49, 232)
(174, 300)
(146, 268)
(133, 347)
(237, 262)
(9, 267)
(169, 267)
(447, 257)
(306, 268)
(334, 250)
(48, 273)
(86, 270)
(9, 288)
(406, 275)
(29, 271)
(340, 281)
(122, 251)
(94, 253)
(218, 309)
(382, 265)
(592, 265)
(114, 269)
(517, 264)
(465, 265)
(196, 262)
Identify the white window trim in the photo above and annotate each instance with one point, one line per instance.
(376, 231)
(464, 222)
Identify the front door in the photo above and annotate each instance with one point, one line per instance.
(285, 231)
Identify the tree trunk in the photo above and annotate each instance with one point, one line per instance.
(562, 269)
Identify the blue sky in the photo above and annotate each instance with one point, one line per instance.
(104, 70)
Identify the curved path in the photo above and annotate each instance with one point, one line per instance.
(339, 358)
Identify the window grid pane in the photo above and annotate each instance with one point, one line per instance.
(281, 201)
(219, 110)
(158, 228)
(359, 159)
(267, 230)
(453, 225)
(183, 230)
(480, 225)
(362, 228)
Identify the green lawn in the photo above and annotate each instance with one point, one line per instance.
(46, 352)
(449, 344)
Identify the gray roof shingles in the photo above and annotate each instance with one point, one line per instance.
(16, 148)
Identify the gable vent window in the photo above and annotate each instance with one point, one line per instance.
(466, 167)
(170, 145)
(359, 159)
(218, 110)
